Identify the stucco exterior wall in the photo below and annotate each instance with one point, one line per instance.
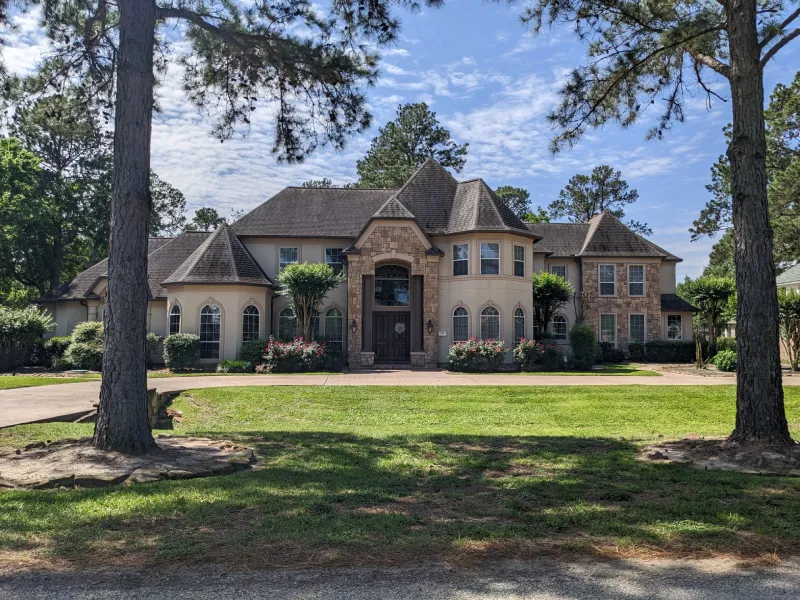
(231, 299)
(668, 283)
(66, 314)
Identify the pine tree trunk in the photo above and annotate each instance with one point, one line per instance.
(760, 414)
(122, 423)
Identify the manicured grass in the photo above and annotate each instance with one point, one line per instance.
(8, 382)
(622, 370)
(375, 475)
(215, 374)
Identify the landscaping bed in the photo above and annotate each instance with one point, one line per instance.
(380, 475)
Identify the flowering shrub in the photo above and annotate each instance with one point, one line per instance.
(528, 352)
(289, 357)
(477, 355)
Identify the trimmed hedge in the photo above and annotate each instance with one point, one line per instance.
(253, 351)
(725, 360)
(726, 343)
(82, 355)
(584, 347)
(665, 351)
(88, 332)
(20, 331)
(610, 354)
(234, 366)
(292, 357)
(527, 353)
(181, 350)
(477, 355)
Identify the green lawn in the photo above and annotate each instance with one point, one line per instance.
(376, 475)
(17, 381)
(624, 370)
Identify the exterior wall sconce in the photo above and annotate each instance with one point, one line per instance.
(430, 326)
(353, 326)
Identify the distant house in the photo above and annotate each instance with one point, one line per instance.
(434, 262)
(790, 278)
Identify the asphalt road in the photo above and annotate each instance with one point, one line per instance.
(539, 579)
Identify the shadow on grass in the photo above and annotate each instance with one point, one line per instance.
(323, 499)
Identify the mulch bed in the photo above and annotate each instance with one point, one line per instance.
(77, 464)
(715, 454)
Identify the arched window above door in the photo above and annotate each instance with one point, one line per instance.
(391, 286)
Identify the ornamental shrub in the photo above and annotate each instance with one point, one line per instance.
(584, 346)
(152, 344)
(527, 353)
(610, 354)
(55, 348)
(726, 343)
(234, 366)
(253, 351)
(19, 331)
(552, 358)
(477, 355)
(725, 360)
(636, 351)
(88, 332)
(82, 355)
(181, 350)
(295, 356)
(669, 351)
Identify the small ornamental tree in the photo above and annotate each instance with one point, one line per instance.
(306, 285)
(789, 320)
(550, 293)
(711, 295)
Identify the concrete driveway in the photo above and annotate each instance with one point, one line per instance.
(541, 578)
(29, 405)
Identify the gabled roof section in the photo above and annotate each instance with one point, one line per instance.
(560, 240)
(428, 195)
(164, 255)
(790, 275)
(607, 236)
(393, 209)
(222, 258)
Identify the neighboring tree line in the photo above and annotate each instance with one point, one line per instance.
(55, 197)
(415, 135)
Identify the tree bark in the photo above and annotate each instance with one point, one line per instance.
(760, 414)
(122, 423)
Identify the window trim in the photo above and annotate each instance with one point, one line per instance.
(331, 264)
(247, 305)
(600, 282)
(644, 327)
(678, 339)
(566, 327)
(643, 282)
(217, 305)
(175, 305)
(515, 260)
(514, 317)
(452, 322)
(324, 326)
(297, 248)
(408, 280)
(600, 327)
(559, 267)
(453, 258)
(499, 258)
(499, 323)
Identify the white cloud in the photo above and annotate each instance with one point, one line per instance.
(501, 35)
(395, 52)
(395, 70)
(24, 46)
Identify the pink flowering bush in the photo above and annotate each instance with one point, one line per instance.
(291, 357)
(477, 355)
(528, 353)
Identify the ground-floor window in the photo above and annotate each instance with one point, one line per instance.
(490, 323)
(637, 329)
(251, 323)
(175, 320)
(210, 326)
(334, 331)
(674, 327)
(558, 327)
(519, 323)
(287, 324)
(608, 328)
(460, 324)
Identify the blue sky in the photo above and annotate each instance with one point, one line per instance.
(492, 84)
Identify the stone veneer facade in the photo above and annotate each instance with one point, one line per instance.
(392, 244)
(622, 304)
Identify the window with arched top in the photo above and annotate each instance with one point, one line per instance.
(210, 327)
(287, 324)
(460, 324)
(519, 324)
(175, 319)
(558, 327)
(251, 323)
(490, 323)
(334, 327)
(391, 286)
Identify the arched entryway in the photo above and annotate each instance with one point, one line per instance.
(391, 315)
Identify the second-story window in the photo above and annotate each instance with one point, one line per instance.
(490, 259)
(288, 256)
(519, 261)
(607, 280)
(461, 259)
(333, 257)
(636, 280)
(560, 270)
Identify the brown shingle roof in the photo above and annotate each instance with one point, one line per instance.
(673, 302)
(221, 258)
(560, 239)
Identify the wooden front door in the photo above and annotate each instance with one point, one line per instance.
(392, 340)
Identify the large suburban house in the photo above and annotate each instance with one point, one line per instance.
(434, 262)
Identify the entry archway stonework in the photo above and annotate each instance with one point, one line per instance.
(393, 243)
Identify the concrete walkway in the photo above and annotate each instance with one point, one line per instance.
(29, 405)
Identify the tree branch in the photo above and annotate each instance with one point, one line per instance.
(774, 50)
(780, 28)
(711, 62)
(235, 37)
